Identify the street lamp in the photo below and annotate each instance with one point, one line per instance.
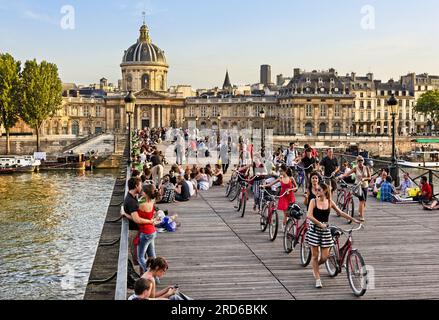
(394, 106)
(430, 127)
(130, 103)
(219, 129)
(262, 116)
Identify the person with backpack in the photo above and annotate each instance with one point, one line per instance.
(362, 178)
(291, 155)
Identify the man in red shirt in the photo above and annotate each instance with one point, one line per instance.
(426, 194)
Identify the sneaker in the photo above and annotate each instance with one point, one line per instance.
(319, 284)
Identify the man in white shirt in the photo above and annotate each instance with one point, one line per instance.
(290, 155)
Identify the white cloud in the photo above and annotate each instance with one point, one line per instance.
(41, 17)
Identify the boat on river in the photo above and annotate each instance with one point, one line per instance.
(421, 159)
(18, 164)
(65, 162)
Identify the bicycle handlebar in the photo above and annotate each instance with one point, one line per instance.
(361, 226)
(273, 196)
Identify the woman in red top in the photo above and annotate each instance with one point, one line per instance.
(147, 231)
(288, 187)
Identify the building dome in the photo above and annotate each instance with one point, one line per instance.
(144, 51)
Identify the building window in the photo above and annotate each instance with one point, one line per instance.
(308, 110)
(204, 111)
(86, 111)
(369, 116)
(361, 104)
(145, 81)
(337, 111)
(191, 111)
(117, 110)
(323, 111)
(378, 115)
(75, 111)
(215, 111)
(379, 102)
(369, 104)
(98, 111)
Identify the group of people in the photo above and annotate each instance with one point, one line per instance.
(147, 188)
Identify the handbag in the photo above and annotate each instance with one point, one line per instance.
(358, 191)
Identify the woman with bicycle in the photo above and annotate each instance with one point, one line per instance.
(319, 236)
(288, 188)
(260, 173)
(362, 178)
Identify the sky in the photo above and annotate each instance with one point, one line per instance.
(203, 38)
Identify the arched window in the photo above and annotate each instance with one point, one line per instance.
(322, 128)
(145, 81)
(308, 129)
(129, 82)
(75, 128)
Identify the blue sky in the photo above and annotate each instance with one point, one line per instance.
(203, 38)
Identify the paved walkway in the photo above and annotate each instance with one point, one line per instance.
(216, 254)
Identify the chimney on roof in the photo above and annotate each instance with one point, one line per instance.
(296, 72)
(354, 76)
(370, 76)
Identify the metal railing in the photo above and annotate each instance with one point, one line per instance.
(431, 174)
(122, 265)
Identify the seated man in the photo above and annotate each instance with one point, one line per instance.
(387, 190)
(406, 183)
(379, 181)
(426, 194)
(142, 290)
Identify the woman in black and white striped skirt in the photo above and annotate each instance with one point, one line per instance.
(319, 235)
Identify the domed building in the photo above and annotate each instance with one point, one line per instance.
(144, 65)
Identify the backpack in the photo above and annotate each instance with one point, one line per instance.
(169, 196)
(207, 154)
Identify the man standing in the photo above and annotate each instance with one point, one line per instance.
(331, 168)
(224, 156)
(309, 165)
(290, 155)
(131, 206)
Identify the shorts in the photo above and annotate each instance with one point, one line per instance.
(363, 198)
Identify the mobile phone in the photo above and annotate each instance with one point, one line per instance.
(176, 286)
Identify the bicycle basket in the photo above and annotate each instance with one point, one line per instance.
(295, 211)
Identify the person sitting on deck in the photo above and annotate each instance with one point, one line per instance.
(426, 194)
(142, 290)
(156, 269)
(203, 180)
(182, 192)
(387, 190)
(379, 181)
(406, 183)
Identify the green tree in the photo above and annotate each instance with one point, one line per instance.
(9, 99)
(41, 94)
(428, 104)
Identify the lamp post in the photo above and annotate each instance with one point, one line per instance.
(430, 127)
(262, 116)
(394, 170)
(219, 130)
(130, 103)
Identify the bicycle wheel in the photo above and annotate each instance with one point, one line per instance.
(244, 204)
(305, 251)
(341, 201)
(351, 208)
(289, 235)
(229, 189)
(234, 193)
(332, 262)
(264, 218)
(239, 201)
(357, 274)
(273, 226)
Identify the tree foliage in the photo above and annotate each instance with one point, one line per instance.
(9, 89)
(41, 94)
(428, 104)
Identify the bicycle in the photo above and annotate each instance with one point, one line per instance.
(232, 183)
(295, 234)
(345, 198)
(243, 198)
(349, 258)
(269, 215)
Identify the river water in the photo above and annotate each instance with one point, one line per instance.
(50, 224)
